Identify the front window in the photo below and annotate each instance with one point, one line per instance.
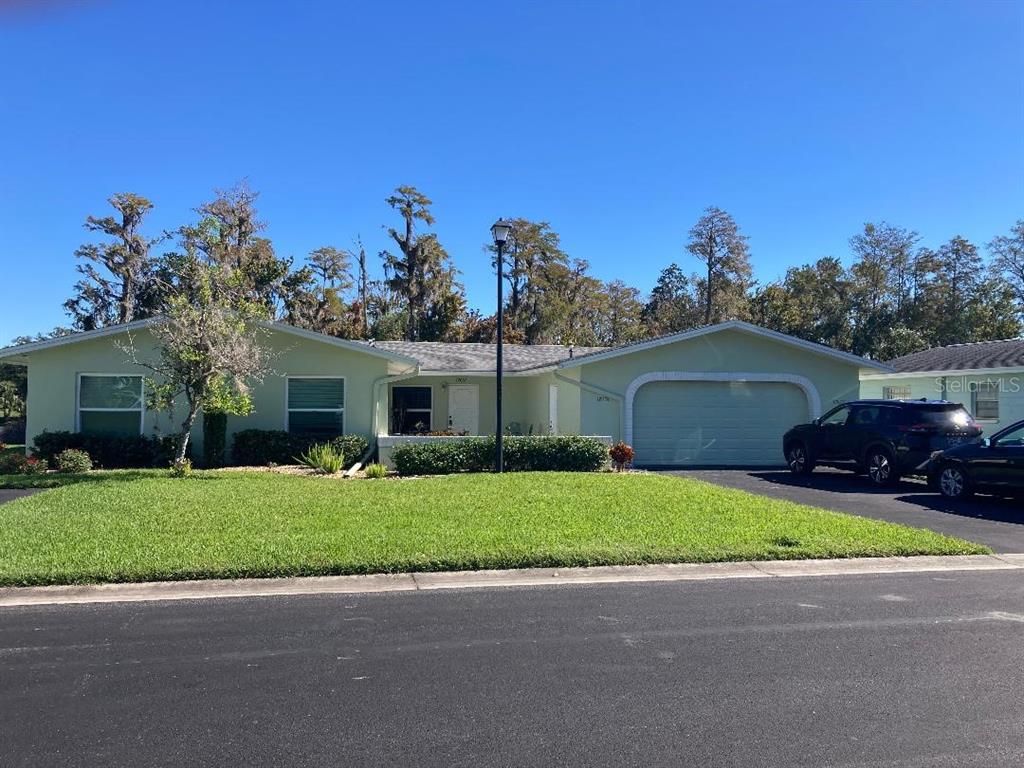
(868, 415)
(316, 406)
(838, 416)
(411, 410)
(986, 400)
(1013, 438)
(110, 404)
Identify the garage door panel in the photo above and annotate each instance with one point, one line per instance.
(705, 422)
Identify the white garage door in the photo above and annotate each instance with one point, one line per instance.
(714, 422)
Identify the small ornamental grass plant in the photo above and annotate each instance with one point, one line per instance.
(376, 471)
(324, 458)
(181, 468)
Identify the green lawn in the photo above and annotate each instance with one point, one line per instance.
(133, 526)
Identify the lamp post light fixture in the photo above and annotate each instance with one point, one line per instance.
(500, 230)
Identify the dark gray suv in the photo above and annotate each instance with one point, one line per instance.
(883, 439)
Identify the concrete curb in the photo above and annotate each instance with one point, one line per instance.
(525, 577)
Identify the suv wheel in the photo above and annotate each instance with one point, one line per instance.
(953, 483)
(881, 468)
(799, 460)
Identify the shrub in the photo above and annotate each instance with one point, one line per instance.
(259, 447)
(376, 471)
(12, 463)
(34, 466)
(215, 438)
(563, 453)
(74, 461)
(622, 455)
(353, 446)
(181, 468)
(323, 457)
(107, 451)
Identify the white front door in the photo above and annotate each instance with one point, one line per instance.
(553, 409)
(464, 408)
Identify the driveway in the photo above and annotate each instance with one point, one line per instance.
(10, 494)
(999, 523)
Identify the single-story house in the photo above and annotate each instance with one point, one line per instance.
(986, 376)
(718, 395)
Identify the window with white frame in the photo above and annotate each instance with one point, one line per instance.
(110, 404)
(316, 405)
(412, 410)
(896, 392)
(986, 400)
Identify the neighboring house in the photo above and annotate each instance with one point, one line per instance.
(987, 377)
(719, 395)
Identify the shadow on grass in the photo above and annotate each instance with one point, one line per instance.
(56, 480)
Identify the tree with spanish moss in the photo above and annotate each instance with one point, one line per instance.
(716, 241)
(422, 273)
(114, 274)
(228, 235)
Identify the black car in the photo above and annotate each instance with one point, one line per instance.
(995, 465)
(884, 439)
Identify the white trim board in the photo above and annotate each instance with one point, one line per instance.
(1009, 371)
(810, 391)
(730, 325)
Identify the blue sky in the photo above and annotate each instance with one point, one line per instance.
(618, 122)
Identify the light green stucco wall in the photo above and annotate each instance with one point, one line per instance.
(52, 375)
(958, 388)
(727, 351)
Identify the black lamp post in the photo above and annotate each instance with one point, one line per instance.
(499, 230)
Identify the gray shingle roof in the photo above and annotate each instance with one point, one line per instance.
(466, 357)
(1008, 353)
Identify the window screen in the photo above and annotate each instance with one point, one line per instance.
(110, 405)
(986, 400)
(896, 393)
(411, 410)
(316, 406)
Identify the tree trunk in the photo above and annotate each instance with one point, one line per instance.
(186, 431)
(363, 291)
(709, 293)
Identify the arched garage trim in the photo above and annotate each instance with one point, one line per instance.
(809, 390)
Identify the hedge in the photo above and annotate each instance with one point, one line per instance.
(257, 447)
(563, 453)
(106, 451)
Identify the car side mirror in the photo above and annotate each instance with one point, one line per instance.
(816, 422)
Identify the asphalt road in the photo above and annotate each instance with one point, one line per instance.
(997, 522)
(898, 670)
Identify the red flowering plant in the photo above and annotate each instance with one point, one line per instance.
(622, 456)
